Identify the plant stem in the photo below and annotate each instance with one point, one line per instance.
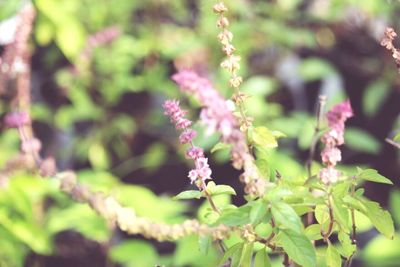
(393, 143)
(331, 221)
(353, 219)
(320, 107)
(212, 204)
(286, 260)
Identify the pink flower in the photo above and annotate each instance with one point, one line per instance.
(336, 119)
(176, 114)
(202, 170)
(329, 175)
(194, 152)
(331, 155)
(16, 119)
(187, 136)
(216, 113)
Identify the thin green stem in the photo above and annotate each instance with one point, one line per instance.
(320, 107)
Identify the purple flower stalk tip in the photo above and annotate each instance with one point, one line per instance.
(216, 113)
(202, 170)
(331, 155)
(16, 119)
(176, 114)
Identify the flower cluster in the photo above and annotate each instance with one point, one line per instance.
(387, 42)
(225, 38)
(333, 138)
(202, 170)
(231, 63)
(217, 115)
(217, 112)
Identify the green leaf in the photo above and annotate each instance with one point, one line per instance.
(70, 37)
(313, 232)
(374, 95)
(263, 167)
(298, 247)
(372, 176)
(380, 218)
(346, 247)
(341, 189)
(235, 217)
(220, 146)
(262, 136)
(397, 137)
(247, 253)
(333, 258)
(261, 259)
(189, 194)
(94, 226)
(360, 140)
(98, 157)
(315, 68)
(381, 251)
(221, 190)
(285, 216)
(231, 252)
(394, 201)
(340, 213)
(259, 86)
(134, 253)
(322, 214)
(276, 194)
(204, 244)
(263, 230)
(258, 211)
(29, 233)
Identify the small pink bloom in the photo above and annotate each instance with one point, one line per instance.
(216, 113)
(193, 176)
(329, 175)
(31, 146)
(176, 114)
(339, 114)
(187, 136)
(195, 152)
(16, 119)
(331, 156)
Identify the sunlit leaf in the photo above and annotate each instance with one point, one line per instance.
(298, 247)
(372, 176)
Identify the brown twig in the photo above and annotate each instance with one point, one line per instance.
(331, 221)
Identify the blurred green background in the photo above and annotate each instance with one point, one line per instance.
(101, 71)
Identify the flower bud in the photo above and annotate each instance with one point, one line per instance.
(222, 22)
(220, 8)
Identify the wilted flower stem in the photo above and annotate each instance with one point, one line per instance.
(231, 63)
(387, 42)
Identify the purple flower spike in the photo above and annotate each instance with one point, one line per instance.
(336, 117)
(16, 119)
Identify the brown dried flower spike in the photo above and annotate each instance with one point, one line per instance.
(387, 42)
